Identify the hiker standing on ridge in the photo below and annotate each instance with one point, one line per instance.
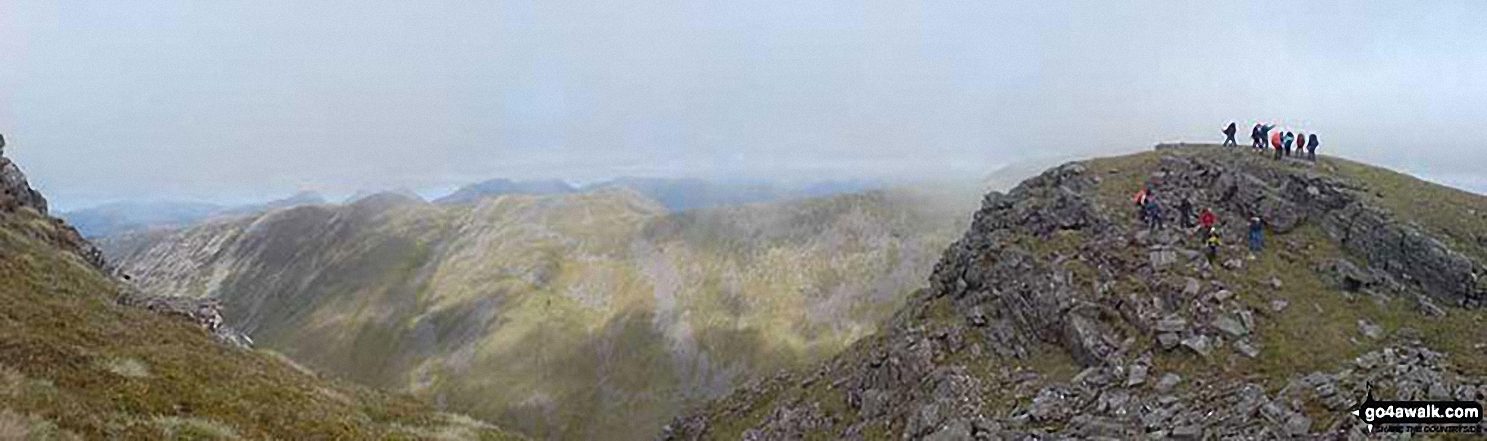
(1275, 144)
(1229, 135)
(1265, 137)
(1257, 141)
(1311, 147)
(1256, 235)
(1300, 143)
(1289, 140)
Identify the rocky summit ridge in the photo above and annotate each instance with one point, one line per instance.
(1059, 314)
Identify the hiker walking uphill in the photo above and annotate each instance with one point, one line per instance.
(1140, 201)
(1257, 140)
(1256, 235)
(1206, 220)
(1212, 246)
(1311, 147)
(1185, 209)
(1153, 214)
(1229, 135)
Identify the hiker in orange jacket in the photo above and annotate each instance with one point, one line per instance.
(1140, 201)
(1276, 143)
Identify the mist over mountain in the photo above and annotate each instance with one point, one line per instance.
(500, 186)
(122, 217)
(675, 194)
(594, 314)
(764, 220)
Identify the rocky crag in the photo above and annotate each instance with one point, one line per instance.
(18, 196)
(1060, 314)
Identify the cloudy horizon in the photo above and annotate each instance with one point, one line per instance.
(232, 101)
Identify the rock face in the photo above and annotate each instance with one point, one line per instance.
(17, 192)
(1286, 199)
(206, 313)
(16, 195)
(1053, 266)
(19, 199)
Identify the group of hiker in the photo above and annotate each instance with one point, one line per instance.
(1284, 143)
(1151, 213)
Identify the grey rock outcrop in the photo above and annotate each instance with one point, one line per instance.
(16, 191)
(206, 313)
(1114, 297)
(17, 196)
(1288, 198)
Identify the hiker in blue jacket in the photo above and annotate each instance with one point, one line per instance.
(1256, 234)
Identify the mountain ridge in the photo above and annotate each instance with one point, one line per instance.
(1057, 314)
(594, 314)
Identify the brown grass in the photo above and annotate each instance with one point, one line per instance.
(70, 357)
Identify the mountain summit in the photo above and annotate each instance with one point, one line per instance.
(1060, 313)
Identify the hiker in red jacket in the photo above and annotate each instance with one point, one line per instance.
(1207, 219)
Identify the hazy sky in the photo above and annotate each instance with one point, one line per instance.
(224, 100)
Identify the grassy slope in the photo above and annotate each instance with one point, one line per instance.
(580, 316)
(74, 364)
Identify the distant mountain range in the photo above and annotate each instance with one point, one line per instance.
(676, 194)
(121, 217)
(673, 194)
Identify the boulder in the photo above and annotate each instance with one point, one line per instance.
(1370, 330)
(1137, 376)
(1199, 344)
(16, 191)
(1168, 340)
(1249, 350)
(1087, 340)
(1163, 258)
(1230, 325)
(1168, 382)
